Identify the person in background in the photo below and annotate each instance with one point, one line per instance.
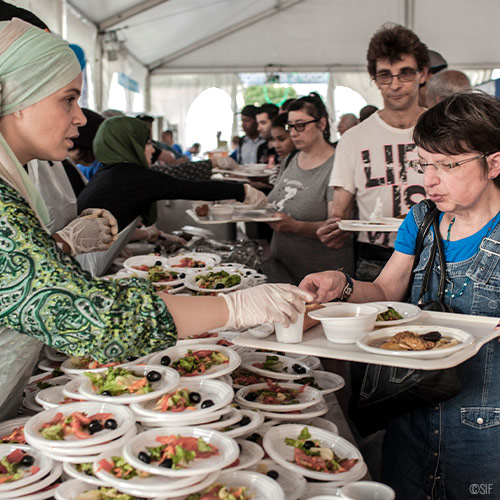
(371, 160)
(162, 153)
(366, 111)
(347, 121)
(264, 116)
(54, 300)
(434, 450)
(194, 150)
(437, 63)
(283, 144)
(301, 197)
(167, 137)
(284, 107)
(446, 83)
(251, 144)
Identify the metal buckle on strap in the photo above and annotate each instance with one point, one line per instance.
(495, 244)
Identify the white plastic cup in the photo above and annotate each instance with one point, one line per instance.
(366, 490)
(291, 334)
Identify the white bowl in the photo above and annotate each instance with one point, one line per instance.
(221, 212)
(345, 323)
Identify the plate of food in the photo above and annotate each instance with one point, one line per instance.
(12, 431)
(397, 313)
(421, 342)
(181, 451)
(317, 410)
(198, 361)
(275, 366)
(194, 260)
(250, 454)
(217, 279)
(251, 420)
(278, 397)
(83, 472)
(383, 225)
(143, 264)
(314, 453)
(325, 382)
(128, 385)
(76, 366)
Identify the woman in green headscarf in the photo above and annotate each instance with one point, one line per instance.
(43, 292)
(128, 188)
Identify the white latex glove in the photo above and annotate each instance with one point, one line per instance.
(254, 197)
(225, 163)
(265, 304)
(94, 230)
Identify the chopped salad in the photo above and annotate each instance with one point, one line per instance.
(84, 363)
(119, 381)
(16, 465)
(177, 401)
(175, 452)
(245, 377)
(85, 468)
(275, 394)
(15, 437)
(157, 274)
(218, 491)
(217, 280)
(390, 315)
(120, 468)
(272, 364)
(104, 493)
(309, 453)
(78, 424)
(198, 362)
(189, 262)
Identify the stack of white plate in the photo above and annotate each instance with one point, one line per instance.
(74, 450)
(30, 486)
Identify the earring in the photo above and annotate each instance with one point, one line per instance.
(18, 114)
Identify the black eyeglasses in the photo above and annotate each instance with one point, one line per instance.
(406, 75)
(299, 127)
(421, 166)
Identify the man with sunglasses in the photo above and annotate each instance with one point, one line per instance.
(371, 160)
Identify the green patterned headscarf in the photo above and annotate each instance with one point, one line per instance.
(121, 139)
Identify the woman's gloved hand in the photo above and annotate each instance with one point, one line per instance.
(265, 304)
(254, 197)
(94, 230)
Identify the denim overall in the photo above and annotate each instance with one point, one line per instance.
(451, 450)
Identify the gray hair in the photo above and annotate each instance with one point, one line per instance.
(446, 83)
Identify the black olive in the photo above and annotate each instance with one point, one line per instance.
(273, 474)
(248, 273)
(165, 361)
(207, 403)
(131, 358)
(244, 421)
(144, 457)
(194, 397)
(110, 424)
(153, 376)
(28, 460)
(219, 286)
(95, 426)
(299, 368)
(182, 275)
(308, 445)
(432, 336)
(158, 263)
(251, 396)
(254, 437)
(167, 463)
(105, 393)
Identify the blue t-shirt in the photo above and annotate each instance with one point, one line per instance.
(455, 251)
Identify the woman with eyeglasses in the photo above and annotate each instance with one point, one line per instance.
(301, 197)
(447, 448)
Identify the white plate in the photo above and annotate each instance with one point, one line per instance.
(70, 490)
(288, 373)
(228, 451)
(220, 393)
(47, 365)
(71, 471)
(209, 259)
(71, 371)
(329, 382)
(320, 422)
(191, 281)
(123, 416)
(327, 488)
(178, 352)
(274, 444)
(292, 484)
(462, 336)
(8, 426)
(230, 418)
(169, 379)
(29, 402)
(53, 355)
(51, 397)
(250, 454)
(157, 422)
(309, 397)
(409, 312)
(54, 381)
(147, 260)
(256, 420)
(39, 485)
(314, 411)
(41, 495)
(197, 340)
(259, 485)
(385, 225)
(156, 485)
(41, 461)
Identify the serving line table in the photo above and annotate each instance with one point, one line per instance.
(315, 343)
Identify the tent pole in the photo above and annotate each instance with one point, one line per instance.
(147, 92)
(98, 73)
(330, 100)
(409, 13)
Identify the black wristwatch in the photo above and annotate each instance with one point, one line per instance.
(348, 289)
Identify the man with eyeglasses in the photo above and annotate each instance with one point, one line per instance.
(371, 160)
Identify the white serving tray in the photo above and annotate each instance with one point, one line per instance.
(238, 216)
(483, 328)
(242, 173)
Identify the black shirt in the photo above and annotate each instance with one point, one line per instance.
(128, 190)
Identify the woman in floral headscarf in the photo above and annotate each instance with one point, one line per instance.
(43, 292)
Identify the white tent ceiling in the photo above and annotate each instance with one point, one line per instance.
(185, 36)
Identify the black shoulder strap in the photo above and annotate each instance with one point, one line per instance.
(430, 216)
(289, 158)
